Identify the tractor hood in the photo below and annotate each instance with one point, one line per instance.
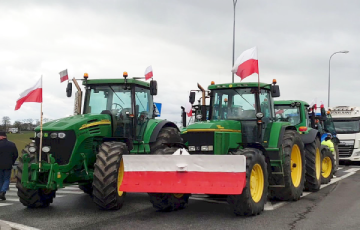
(77, 122)
(221, 125)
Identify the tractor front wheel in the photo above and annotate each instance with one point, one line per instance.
(108, 176)
(254, 195)
(313, 166)
(328, 166)
(293, 168)
(167, 201)
(32, 198)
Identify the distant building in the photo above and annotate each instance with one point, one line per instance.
(13, 130)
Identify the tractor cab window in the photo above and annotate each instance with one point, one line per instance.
(234, 104)
(143, 110)
(288, 113)
(115, 99)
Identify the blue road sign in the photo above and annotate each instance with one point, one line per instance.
(158, 109)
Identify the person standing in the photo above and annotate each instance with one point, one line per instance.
(8, 156)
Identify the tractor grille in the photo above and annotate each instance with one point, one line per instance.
(61, 149)
(345, 150)
(199, 139)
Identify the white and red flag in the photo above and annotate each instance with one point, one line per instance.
(33, 94)
(64, 76)
(246, 64)
(188, 109)
(148, 73)
(208, 174)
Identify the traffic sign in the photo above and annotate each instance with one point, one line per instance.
(157, 109)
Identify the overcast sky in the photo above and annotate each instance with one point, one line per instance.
(186, 41)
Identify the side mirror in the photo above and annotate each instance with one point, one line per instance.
(275, 91)
(69, 90)
(192, 97)
(153, 87)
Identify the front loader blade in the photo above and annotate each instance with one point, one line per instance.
(208, 174)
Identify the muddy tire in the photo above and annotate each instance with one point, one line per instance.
(167, 201)
(108, 175)
(313, 166)
(32, 198)
(253, 198)
(328, 166)
(294, 176)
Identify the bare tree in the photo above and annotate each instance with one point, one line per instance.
(6, 122)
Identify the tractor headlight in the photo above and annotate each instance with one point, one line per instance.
(199, 116)
(38, 135)
(259, 115)
(32, 149)
(61, 135)
(46, 149)
(207, 148)
(191, 148)
(53, 135)
(298, 104)
(32, 144)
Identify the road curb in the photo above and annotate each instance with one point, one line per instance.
(4, 226)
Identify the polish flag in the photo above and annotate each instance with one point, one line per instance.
(246, 64)
(148, 73)
(33, 94)
(207, 174)
(188, 109)
(64, 75)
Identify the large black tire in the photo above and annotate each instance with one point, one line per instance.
(291, 192)
(328, 166)
(246, 204)
(108, 168)
(167, 201)
(86, 188)
(32, 198)
(313, 166)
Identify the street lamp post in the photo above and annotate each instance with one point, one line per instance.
(233, 54)
(344, 52)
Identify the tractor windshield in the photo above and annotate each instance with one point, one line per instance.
(288, 113)
(239, 104)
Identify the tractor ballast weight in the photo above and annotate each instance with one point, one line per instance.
(88, 148)
(239, 141)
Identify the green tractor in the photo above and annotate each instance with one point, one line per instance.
(239, 150)
(87, 149)
(296, 112)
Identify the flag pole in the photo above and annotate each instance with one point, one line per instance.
(41, 135)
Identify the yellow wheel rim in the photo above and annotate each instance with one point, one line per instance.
(120, 177)
(178, 195)
(296, 166)
(256, 183)
(318, 163)
(326, 167)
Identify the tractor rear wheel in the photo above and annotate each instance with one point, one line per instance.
(108, 176)
(293, 168)
(254, 195)
(328, 166)
(86, 188)
(313, 166)
(167, 201)
(32, 198)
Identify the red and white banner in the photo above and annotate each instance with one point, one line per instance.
(211, 174)
(246, 64)
(33, 94)
(188, 109)
(148, 73)
(64, 76)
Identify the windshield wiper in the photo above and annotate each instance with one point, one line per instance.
(116, 94)
(243, 98)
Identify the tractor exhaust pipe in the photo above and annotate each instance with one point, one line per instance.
(203, 105)
(183, 116)
(78, 98)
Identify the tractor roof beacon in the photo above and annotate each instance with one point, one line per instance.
(88, 148)
(239, 150)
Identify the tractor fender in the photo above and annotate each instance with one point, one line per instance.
(310, 136)
(158, 127)
(282, 132)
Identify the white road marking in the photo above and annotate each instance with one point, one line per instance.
(19, 226)
(69, 192)
(5, 204)
(352, 170)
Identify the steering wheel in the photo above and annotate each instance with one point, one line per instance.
(116, 104)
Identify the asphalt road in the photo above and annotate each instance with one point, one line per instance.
(336, 206)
